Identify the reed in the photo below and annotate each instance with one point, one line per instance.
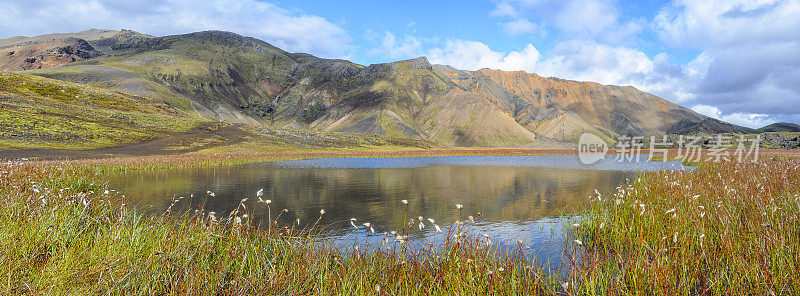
(722, 229)
(64, 234)
(725, 228)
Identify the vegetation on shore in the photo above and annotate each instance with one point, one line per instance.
(726, 228)
(63, 234)
(231, 157)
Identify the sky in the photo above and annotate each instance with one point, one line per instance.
(734, 60)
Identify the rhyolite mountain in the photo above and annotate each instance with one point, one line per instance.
(52, 50)
(780, 127)
(228, 77)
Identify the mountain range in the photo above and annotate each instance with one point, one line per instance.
(223, 76)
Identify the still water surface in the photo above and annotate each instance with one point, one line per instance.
(520, 198)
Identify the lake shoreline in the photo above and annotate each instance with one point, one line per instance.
(511, 198)
(211, 158)
(62, 233)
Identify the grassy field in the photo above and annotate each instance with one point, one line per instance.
(38, 112)
(727, 228)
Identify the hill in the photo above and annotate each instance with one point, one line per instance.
(41, 112)
(228, 77)
(780, 127)
(53, 50)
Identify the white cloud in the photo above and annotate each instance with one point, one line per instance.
(747, 70)
(586, 16)
(390, 47)
(519, 27)
(504, 9)
(474, 55)
(749, 62)
(585, 60)
(704, 23)
(287, 29)
(576, 60)
(744, 119)
(593, 19)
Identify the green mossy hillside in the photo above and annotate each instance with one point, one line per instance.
(38, 112)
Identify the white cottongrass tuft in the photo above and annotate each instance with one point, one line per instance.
(370, 227)
(459, 206)
(322, 212)
(405, 202)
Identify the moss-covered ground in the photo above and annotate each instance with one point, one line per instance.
(38, 112)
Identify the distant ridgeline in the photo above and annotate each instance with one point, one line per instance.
(224, 76)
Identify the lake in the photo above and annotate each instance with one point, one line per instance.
(520, 198)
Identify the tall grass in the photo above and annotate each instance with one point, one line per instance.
(62, 234)
(726, 228)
